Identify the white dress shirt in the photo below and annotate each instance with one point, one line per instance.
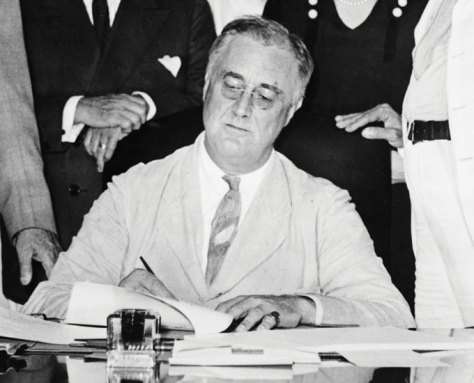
(71, 130)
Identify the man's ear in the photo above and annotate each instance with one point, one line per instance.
(293, 109)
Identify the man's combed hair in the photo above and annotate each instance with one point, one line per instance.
(268, 33)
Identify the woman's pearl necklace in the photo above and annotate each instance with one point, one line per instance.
(397, 11)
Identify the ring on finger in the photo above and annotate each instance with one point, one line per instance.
(103, 146)
(276, 317)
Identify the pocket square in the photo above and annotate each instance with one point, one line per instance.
(171, 63)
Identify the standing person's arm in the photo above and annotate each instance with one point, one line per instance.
(25, 202)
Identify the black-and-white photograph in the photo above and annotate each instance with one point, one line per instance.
(236, 191)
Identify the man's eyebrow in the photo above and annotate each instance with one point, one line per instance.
(271, 87)
(234, 75)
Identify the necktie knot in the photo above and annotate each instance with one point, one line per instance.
(232, 181)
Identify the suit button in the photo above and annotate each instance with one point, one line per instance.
(74, 190)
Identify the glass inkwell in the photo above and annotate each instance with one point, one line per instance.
(132, 335)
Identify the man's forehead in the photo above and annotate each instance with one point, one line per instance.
(256, 63)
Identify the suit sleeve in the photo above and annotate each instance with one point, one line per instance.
(201, 37)
(354, 285)
(96, 254)
(24, 196)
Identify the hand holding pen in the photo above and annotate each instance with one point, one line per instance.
(145, 281)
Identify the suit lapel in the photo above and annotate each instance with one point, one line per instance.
(183, 226)
(67, 22)
(263, 230)
(136, 25)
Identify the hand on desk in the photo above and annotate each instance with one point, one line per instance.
(255, 310)
(391, 132)
(145, 282)
(38, 244)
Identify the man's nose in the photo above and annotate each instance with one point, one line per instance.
(243, 105)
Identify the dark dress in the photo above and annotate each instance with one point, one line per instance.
(355, 69)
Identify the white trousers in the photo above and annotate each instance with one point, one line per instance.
(442, 242)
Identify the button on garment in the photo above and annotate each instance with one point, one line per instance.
(74, 190)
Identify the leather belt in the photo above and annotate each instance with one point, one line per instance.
(419, 131)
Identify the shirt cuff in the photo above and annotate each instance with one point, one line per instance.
(70, 130)
(151, 105)
(318, 318)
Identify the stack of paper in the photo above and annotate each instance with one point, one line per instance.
(369, 346)
(91, 303)
(20, 326)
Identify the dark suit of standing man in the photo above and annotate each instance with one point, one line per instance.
(25, 203)
(158, 47)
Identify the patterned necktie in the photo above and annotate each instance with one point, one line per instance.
(223, 228)
(100, 14)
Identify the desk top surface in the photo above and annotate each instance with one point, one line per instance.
(53, 369)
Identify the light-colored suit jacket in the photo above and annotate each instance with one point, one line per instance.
(457, 261)
(460, 87)
(300, 235)
(24, 197)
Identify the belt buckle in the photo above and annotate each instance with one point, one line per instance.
(416, 133)
(411, 132)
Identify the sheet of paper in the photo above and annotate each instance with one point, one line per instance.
(391, 358)
(262, 339)
(306, 369)
(20, 326)
(228, 356)
(91, 303)
(340, 339)
(465, 333)
(372, 338)
(232, 360)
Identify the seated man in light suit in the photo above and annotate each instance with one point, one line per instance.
(228, 222)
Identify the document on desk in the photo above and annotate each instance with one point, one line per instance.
(371, 338)
(91, 303)
(20, 326)
(321, 340)
(392, 358)
(242, 356)
(257, 348)
(340, 339)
